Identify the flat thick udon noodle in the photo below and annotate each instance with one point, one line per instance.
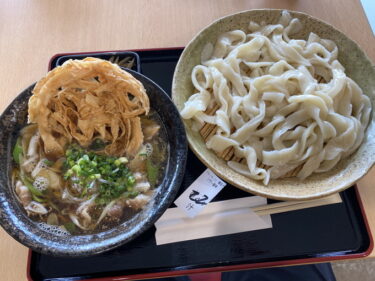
(272, 110)
(87, 99)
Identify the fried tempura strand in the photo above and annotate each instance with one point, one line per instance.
(87, 99)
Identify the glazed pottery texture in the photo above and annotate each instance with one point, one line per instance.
(15, 221)
(358, 67)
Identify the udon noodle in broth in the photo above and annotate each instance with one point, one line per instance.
(94, 151)
(273, 106)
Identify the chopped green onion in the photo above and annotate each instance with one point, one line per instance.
(131, 180)
(70, 226)
(31, 188)
(38, 199)
(83, 167)
(76, 169)
(68, 173)
(48, 162)
(131, 194)
(17, 151)
(152, 172)
(97, 144)
(123, 160)
(84, 191)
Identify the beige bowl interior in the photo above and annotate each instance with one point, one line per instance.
(357, 66)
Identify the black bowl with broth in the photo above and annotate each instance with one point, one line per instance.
(49, 241)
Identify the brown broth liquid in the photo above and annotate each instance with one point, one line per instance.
(63, 202)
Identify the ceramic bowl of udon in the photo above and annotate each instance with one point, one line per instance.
(49, 241)
(357, 66)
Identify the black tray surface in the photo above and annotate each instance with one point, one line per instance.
(326, 231)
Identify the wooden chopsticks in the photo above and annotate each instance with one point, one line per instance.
(288, 206)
